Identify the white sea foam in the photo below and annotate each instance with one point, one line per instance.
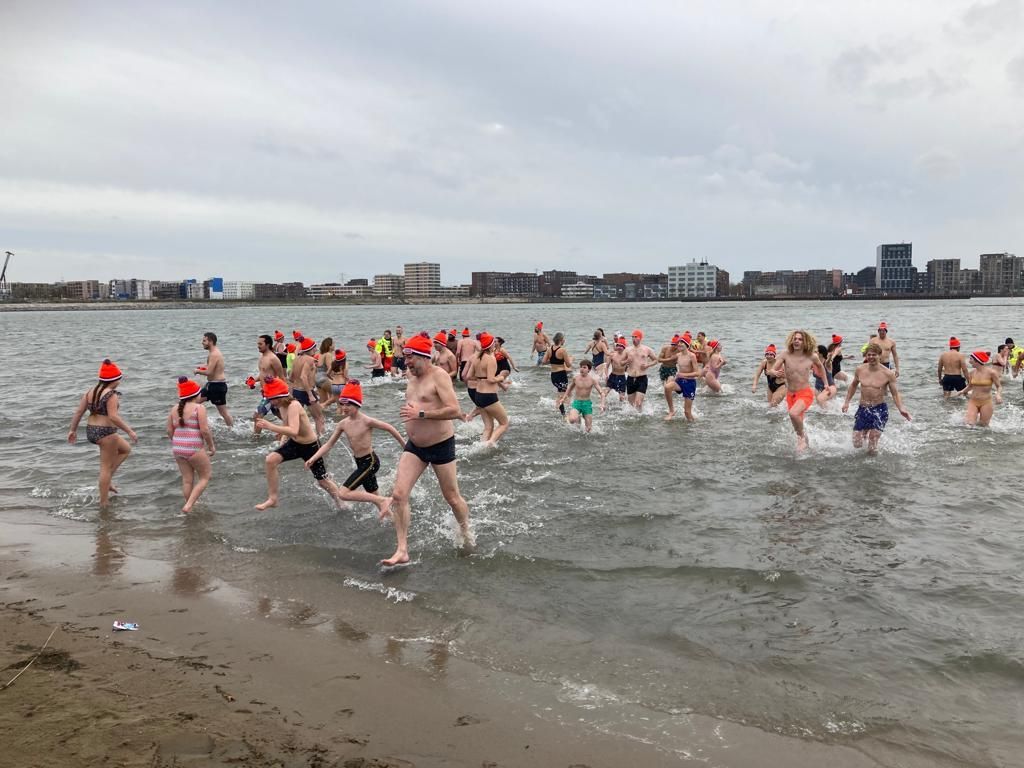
(390, 593)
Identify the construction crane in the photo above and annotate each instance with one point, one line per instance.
(5, 290)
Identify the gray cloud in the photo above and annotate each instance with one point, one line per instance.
(983, 21)
(1015, 71)
(319, 138)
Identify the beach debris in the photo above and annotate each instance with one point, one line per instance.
(227, 696)
(125, 626)
(10, 682)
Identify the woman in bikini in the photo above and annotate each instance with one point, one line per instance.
(101, 428)
(597, 348)
(191, 442)
(979, 389)
(337, 376)
(561, 363)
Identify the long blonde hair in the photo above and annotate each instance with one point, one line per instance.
(810, 344)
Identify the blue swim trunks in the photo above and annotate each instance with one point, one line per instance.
(687, 387)
(871, 417)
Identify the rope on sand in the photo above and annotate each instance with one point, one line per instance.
(10, 682)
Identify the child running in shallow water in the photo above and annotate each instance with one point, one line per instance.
(191, 442)
(358, 428)
(580, 389)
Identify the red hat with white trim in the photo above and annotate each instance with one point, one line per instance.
(954, 342)
(306, 345)
(339, 354)
(274, 388)
(465, 331)
(714, 344)
(441, 337)
(980, 357)
(297, 335)
(352, 393)
(419, 345)
(371, 344)
(187, 388)
(837, 339)
(109, 371)
(278, 336)
(486, 340)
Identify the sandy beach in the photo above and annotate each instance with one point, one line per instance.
(203, 683)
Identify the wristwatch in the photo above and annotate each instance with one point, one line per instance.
(423, 414)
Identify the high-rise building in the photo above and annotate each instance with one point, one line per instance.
(239, 290)
(388, 285)
(943, 275)
(551, 281)
(422, 279)
(1000, 273)
(893, 265)
(698, 279)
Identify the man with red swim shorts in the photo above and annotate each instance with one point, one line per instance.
(796, 363)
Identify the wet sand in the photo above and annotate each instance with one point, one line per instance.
(202, 684)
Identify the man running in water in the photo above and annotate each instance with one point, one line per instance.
(216, 389)
(617, 360)
(639, 358)
(796, 363)
(541, 342)
(399, 361)
(269, 366)
(872, 413)
(303, 381)
(889, 357)
(443, 357)
(953, 371)
(430, 406)
(466, 352)
(685, 381)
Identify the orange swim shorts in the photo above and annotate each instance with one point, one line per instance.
(805, 395)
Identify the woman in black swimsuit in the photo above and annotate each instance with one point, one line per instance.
(101, 429)
(561, 363)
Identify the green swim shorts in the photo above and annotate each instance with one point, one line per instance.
(584, 407)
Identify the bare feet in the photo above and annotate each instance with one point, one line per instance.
(271, 502)
(465, 540)
(186, 509)
(384, 507)
(400, 557)
(113, 488)
(671, 415)
(801, 443)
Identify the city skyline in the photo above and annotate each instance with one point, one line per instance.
(595, 138)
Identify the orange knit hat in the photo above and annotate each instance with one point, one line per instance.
(274, 387)
(187, 389)
(419, 345)
(352, 393)
(109, 371)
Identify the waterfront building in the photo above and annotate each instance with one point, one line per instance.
(422, 279)
(524, 284)
(577, 290)
(943, 276)
(893, 268)
(698, 279)
(551, 281)
(1000, 273)
(389, 285)
(239, 290)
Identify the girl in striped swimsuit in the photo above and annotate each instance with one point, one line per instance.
(191, 442)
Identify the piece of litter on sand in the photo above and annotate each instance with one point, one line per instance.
(125, 626)
(385, 569)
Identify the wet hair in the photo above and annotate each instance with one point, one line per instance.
(832, 347)
(1001, 347)
(267, 340)
(1009, 341)
(326, 345)
(337, 365)
(211, 337)
(872, 347)
(559, 338)
(586, 363)
(597, 335)
(823, 350)
(499, 340)
(809, 340)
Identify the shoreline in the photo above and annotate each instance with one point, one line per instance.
(247, 674)
(91, 306)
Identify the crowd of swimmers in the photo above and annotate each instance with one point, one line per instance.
(298, 380)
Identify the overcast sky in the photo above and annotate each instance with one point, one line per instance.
(305, 140)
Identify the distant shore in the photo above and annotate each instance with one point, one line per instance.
(77, 306)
